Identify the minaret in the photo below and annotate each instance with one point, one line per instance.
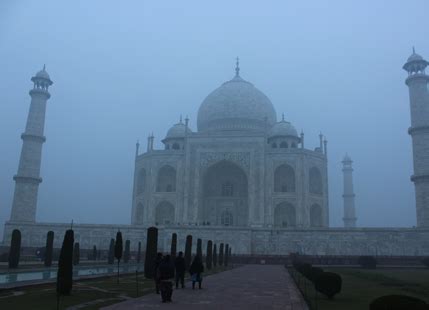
(348, 194)
(27, 179)
(417, 82)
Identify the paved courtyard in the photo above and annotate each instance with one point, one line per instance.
(246, 287)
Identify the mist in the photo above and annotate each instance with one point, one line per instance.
(123, 71)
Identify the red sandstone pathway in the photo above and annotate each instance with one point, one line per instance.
(247, 287)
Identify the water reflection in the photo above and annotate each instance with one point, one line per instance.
(12, 277)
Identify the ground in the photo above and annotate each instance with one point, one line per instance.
(361, 286)
(246, 287)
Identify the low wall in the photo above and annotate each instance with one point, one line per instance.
(255, 241)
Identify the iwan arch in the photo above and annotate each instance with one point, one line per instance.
(242, 177)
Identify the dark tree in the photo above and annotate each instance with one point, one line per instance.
(200, 249)
(65, 265)
(173, 246)
(225, 260)
(214, 260)
(94, 252)
(127, 252)
(209, 255)
(119, 248)
(329, 284)
(49, 248)
(221, 254)
(111, 255)
(188, 251)
(139, 252)
(151, 251)
(398, 302)
(76, 254)
(15, 249)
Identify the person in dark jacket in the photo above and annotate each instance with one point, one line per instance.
(156, 264)
(196, 271)
(179, 265)
(166, 273)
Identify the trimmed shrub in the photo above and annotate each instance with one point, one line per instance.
(94, 252)
(367, 262)
(329, 284)
(111, 255)
(214, 255)
(188, 251)
(200, 248)
(173, 249)
(209, 255)
(315, 272)
(15, 249)
(220, 254)
(65, 265)
(127, 252)
(225, 260)
(151, 251)
(425, 261)
(139, 252)
(49, 248)
(398, 302)
(76, 254)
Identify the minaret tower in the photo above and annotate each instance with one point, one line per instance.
(417, 82)
(348, 193)
(27, 179)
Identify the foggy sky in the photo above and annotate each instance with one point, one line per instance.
(124, 69)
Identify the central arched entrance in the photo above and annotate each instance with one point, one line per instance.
(224, 195)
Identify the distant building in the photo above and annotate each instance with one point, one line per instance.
(243, 178)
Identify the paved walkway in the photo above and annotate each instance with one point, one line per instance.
(247, 287)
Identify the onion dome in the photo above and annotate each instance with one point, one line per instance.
(283, 129)
(236, 105)
(177, 131)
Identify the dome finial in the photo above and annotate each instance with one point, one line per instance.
(44, 67)
(237, 66)
(283, 117)
(414, 50)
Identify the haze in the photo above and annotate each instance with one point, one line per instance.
(124, 69)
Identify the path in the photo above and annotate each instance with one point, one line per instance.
(247, 287)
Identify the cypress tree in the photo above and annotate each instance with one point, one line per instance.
(225, 261)
(111, 255)
(139, 252)
(76, 254)
(200, 249)
(188, 251)
(15, 249)
(49, 248)
(127, 252)
(151, 249)
(94, 252)
(118, 248)
(214, 260)
(173, 246)
(209, 255)
(221, 254)
(65, 265)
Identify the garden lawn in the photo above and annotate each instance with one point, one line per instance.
(361, 286)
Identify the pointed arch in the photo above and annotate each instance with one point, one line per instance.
(315, 181)
(316, 216)
(284, 215)
(139, 214)
(164, 213)
(284, 145)
(141, 181)
(284, 179)
(166, 181)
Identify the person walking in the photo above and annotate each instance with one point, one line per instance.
(156, 264)
(166, 273)
(179, 265)
(196, 271)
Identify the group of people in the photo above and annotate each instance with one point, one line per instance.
(166, 268)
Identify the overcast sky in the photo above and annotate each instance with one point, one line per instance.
(122, 69)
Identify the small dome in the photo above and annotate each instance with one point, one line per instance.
(43, 74)
(414, 57)
(177, 131)
(283, 128)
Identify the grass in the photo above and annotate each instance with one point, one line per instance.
(361, 286)
(95, 293)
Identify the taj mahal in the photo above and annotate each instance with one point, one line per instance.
(244, 176)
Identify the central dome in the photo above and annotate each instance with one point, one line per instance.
(236, 105)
